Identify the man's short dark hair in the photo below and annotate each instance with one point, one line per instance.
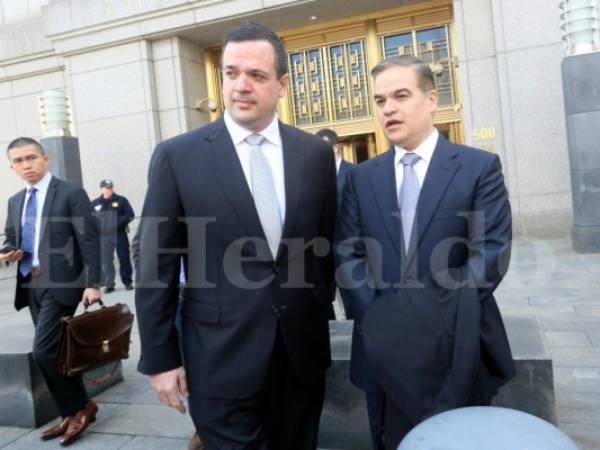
(426, 78)
(329, 135)
(252, 31)
(22, 142)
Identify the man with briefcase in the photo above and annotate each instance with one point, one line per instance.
(50, 232)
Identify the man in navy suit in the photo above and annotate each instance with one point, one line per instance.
(341, 166)
(250, 205)
(51, 223)
(417, 222)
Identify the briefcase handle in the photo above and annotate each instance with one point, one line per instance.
(100, 302)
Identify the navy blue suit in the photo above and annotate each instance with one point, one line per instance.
(233, 329)
(69, 257)
(463, 223)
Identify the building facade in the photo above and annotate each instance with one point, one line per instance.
(140, 71)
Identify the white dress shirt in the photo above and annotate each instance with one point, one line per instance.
(272, 149)
(338, 162)
(40, 198)
(425, 151)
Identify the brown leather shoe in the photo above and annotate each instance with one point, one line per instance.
(56, 430)
(79, 422)
(195, 443)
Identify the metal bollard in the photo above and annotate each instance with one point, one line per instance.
(486, 428)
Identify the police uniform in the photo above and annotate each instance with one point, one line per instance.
(114, 214)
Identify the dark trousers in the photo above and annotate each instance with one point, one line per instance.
(125, 269)
(375, 413)
(68, 393)
(397, 426)
(120, 242)
(283, 415)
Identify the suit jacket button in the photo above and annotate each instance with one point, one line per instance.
(275, 269)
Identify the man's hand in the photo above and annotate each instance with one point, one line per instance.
(10, 257)
(90, 296)
(170, 387)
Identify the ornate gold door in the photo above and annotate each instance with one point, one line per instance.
(330, 85)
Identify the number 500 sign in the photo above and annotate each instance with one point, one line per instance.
(484, 134)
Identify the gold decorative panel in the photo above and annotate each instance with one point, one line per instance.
(329, 83)
(434, 48)
(349, 87)
(307, 85)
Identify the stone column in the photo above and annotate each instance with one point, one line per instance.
(58, 143)
(64, 157)
(582, 109)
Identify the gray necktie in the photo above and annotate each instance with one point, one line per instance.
(409, 196)
(263, 193)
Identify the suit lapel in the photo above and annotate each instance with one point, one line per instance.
(383, 181)
(17, 213)
(228, 169)
(441, 170)
(293, 169)
(48, 201)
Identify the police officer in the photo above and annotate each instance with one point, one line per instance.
(114, 214)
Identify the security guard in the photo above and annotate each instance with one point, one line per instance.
(114, 214)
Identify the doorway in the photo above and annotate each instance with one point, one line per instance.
(358, 147)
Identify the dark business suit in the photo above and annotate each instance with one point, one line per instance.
(342, 174)
(69, 259)
(232, 330)
(447, 239)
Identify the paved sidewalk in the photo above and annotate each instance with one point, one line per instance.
(546, 280)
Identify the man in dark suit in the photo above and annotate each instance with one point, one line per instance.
(250, 205)
(417, 222)
(341, 166)
(58, 266)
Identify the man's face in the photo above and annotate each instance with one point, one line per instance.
(251, 88)
(107, 192)
(404, 111)
(28, 163)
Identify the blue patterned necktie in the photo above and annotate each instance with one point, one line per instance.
(28, 233)
(409, 196)
(263, 193)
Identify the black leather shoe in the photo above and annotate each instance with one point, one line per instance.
(109, 289)
(129, 287)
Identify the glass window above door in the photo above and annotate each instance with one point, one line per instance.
(398, 45)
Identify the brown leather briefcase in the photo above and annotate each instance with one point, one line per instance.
(93, 339)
